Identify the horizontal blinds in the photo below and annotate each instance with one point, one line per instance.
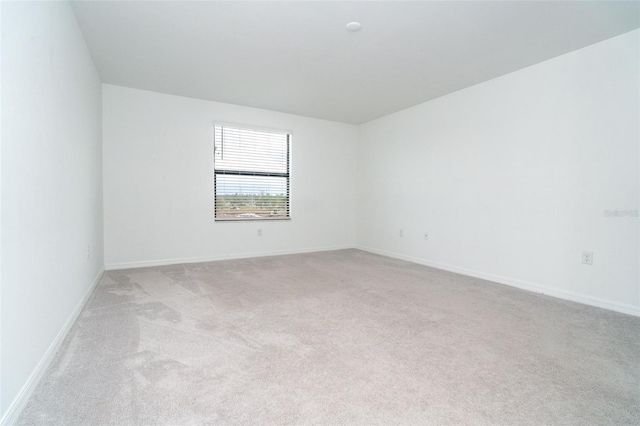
(251, 173)
(251, 150)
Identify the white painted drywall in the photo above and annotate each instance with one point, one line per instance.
(511, 178)
(158, 182)
(51, 182)
(1, 409)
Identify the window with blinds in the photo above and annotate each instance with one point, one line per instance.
(251, 173)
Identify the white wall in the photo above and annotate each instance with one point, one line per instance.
(158, 182)
(51, 185)
(511, 177)
(1, 409)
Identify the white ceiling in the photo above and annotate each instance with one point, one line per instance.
(297, 57)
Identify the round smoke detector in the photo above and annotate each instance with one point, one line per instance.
(353, 26)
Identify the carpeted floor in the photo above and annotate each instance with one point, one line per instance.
(343, 337)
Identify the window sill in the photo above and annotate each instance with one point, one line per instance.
(251, 219)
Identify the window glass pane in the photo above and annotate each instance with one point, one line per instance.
(246, 197)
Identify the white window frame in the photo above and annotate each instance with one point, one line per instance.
(248, 172)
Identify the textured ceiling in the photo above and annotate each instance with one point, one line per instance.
(297, 57)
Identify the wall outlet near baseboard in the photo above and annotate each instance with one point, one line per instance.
(426, 235)
(587, 257)
(259, 232)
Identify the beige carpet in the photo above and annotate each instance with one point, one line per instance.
(343, 337)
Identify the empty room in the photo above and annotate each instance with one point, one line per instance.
(320, 212)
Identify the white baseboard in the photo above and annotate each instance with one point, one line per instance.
(524, 285)
(14, 410)
(177, 261)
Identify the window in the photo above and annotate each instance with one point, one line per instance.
(251, 173)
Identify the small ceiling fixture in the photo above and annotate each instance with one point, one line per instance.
(353, 26)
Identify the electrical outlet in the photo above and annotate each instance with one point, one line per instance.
(259, 232)
(587, 257)
(401, 233)
(426, 236)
